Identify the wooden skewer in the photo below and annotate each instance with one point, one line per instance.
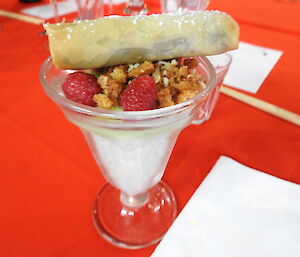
(262, 105)
(21, 17)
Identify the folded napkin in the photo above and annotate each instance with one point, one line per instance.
(237, 212)
(251, 64)
(46, 11)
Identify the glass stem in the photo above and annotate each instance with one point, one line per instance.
(134, 200)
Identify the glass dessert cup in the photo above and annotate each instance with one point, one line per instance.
(132, 149)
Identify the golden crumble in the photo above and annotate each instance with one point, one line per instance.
(165, 98)
(186, 95)
(103, 101)
(142, 69)
(191, 63)
(119, 74)
(176, 81)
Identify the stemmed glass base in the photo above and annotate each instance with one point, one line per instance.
(134, 222)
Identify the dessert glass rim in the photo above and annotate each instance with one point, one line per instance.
(124, 115)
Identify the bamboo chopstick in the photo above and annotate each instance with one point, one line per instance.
(262, 105)
(21, 17)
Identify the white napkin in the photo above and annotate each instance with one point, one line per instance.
(237, 212)
(250, 66)
(46, 11)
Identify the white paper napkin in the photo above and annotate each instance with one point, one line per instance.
(250, 66)
(237, 212)
(46, 11)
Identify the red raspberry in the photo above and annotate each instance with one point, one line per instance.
(139, 95)
(81, 87)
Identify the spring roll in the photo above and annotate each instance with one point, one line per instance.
(117, 40)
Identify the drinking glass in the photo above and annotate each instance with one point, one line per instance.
(221, 64)
(183, 5)
(89, 9)
(135, 7)
(132, 149)
(86, 9)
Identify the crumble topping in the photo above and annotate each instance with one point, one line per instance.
(176, 81)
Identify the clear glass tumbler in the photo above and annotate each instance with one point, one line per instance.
(132, 149)
(89, 9)
(183, 5)
(86, 9)
(135, 7)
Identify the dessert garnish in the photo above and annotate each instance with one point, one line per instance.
(115, 40)
(81, 88)
(139, 95)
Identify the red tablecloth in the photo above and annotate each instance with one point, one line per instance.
(49, 178)
(280, 15)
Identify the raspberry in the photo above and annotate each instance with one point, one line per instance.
(81, 87)
(139, 95)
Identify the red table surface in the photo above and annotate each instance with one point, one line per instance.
(49, 179)
(281, 15)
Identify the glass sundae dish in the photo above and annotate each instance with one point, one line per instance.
(124, 61)
(132, 149)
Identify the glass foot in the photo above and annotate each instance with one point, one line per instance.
(130, 225)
